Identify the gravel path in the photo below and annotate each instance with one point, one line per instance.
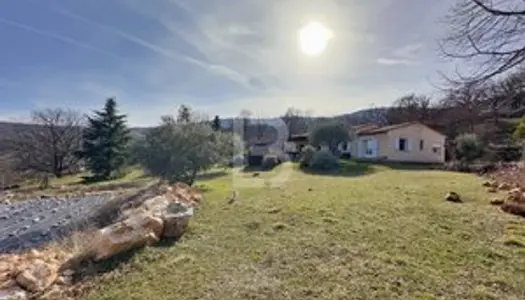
(32, 223)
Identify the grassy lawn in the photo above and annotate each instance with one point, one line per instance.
(374, 232)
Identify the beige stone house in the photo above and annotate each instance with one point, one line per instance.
(405, 142)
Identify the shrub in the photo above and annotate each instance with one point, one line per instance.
(238, 161)
(306, 156)
(324, 160)
(270, 161)
(178, 151)
(469, 148)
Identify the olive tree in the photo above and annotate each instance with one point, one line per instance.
(330, 135)
(178, 151)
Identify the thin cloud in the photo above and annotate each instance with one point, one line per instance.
(214, 68)
(406, 55)
(57, 37)
(393, 62)
(409, 51)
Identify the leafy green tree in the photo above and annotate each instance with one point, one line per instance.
(178, 151)
(216, 124)
(105, 142)
(469, 148)
(330, 135)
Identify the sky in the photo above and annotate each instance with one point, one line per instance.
(219, 57)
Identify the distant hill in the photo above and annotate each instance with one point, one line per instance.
(372, 115)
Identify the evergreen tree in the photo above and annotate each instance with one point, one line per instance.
(105, 142)
(216, 125)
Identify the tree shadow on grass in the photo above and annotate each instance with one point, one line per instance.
(89, 268)
(408, 166)
(211, 175)
(350, 168)
(251, 169)
(346, 169)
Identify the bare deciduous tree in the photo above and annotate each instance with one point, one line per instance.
(50, 143)
(296, 121)
(488, 34)
(410, 108)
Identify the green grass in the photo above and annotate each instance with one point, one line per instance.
(386, 234)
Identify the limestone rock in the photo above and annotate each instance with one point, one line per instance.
(492, 189)
(176, 219)
(453, 197)
(136, 231)
(37, 276)
(64, 280)
(13, 293)
(54, 293)
(486, 184)
(515, 195)
(186, 194)
(504, 186)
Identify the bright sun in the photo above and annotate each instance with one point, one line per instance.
(313, 38)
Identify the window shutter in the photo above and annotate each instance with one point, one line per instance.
(409, 146)
(396, 143)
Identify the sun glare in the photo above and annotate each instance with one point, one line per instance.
(313, 38)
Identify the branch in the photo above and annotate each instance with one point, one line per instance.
(497, 11)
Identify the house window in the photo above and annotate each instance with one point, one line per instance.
(421, 145)
(436, 149)
(367, 145)
(403, 144)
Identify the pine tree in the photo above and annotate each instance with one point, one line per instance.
(216, 125)
(105, 142)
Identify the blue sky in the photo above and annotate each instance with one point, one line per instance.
(220, 57)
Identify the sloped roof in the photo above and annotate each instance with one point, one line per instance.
(388, 128)
(365, 127)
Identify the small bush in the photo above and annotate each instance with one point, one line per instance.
(469, 148)
(238, 161)
(306, 156)
(270, 161)
(324, 160)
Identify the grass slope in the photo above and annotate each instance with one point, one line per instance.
(377, 233)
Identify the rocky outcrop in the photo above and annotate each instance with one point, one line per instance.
(163, 214)
(38, 275)
(136, 231)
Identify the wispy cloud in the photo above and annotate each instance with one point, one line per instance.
(57, 37)
(210, 67)
(406, 55)
(393, 61)
(409, 51)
